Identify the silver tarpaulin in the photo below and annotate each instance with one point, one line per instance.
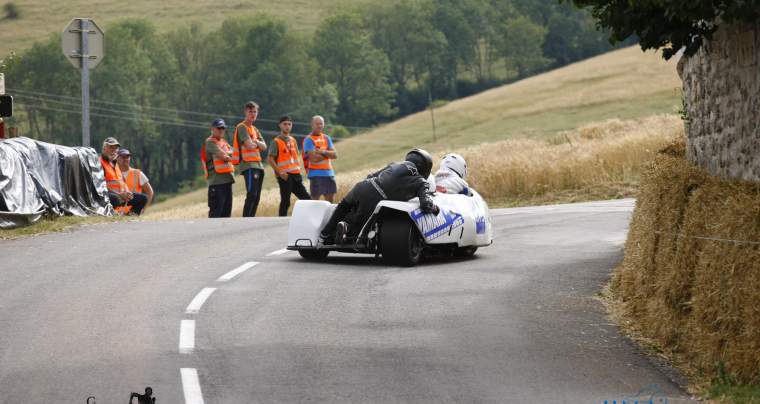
(38, 178)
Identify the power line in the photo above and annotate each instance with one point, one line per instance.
(117, 111)
(127, 118)
(15, 90)
(187, 124)
(129, 105)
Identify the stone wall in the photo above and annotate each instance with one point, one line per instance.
(722, 89)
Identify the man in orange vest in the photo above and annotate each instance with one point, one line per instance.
(118, 193)
(216, 156)
(318, 152)
(247, 145)
(285, 161)
(136, 180)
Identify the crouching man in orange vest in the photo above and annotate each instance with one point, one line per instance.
(285, 161)
(137, 181)
(216, 157)
(122, 199)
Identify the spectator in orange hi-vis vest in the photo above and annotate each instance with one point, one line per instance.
(136, 180)
(318, 152)
(122, 199)
(247, 146)
(216, 157)
(286, 163)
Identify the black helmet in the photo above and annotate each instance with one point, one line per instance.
(422, 160)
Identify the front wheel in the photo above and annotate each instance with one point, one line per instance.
(400, 242)
(314, 255)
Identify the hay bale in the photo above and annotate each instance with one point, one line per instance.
(697, 297)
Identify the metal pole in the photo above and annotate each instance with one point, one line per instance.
(2, 92)
(85, 27)
(432, 115)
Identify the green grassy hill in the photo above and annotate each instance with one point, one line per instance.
(623, 84)
(42, 18)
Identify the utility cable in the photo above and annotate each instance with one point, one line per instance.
(37, 93)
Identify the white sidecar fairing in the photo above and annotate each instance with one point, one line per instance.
(463, 221)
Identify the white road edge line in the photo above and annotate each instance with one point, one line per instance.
(186, 336)
(278, 252)
(191, 386)
(237, 271)
(197, 302)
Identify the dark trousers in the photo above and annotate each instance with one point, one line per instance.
(355, 209)
(220, 200)
(137, 202)
(254, 180)
(293, 185)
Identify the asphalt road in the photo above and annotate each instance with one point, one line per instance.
(106, 310)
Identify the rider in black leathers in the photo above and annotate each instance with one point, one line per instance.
(397, 182)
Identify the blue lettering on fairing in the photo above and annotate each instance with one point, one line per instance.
(480, 225)
(434, 226)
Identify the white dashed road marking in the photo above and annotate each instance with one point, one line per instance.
(237, 271)
(190, 383)
(278, 252)
(198, 301)
(191, 386)
(186, 336)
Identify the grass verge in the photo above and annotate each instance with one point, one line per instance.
(51, 225)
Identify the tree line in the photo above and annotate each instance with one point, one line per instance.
(157, 92)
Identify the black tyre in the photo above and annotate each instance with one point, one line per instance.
(400, 242)
(314, 255)
(465, 251)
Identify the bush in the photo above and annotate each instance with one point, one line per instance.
(339, 132)
(11, 11)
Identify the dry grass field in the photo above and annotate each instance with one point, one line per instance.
(624, 84)
(41, 18)
(596, 161)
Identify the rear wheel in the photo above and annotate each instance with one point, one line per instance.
(314, 255)
(400, 242)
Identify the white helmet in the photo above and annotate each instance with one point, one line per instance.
(455, 163)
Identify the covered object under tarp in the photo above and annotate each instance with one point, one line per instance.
(38, 178)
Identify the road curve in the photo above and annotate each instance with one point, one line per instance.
(214, 311)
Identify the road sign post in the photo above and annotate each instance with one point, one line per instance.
(82, 44)
(85, 36)
(2, 91)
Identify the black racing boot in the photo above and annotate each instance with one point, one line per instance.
(341, 234)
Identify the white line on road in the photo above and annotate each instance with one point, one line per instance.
(186, 336)
(191, 386)
(198, 300)
(237, 271)
(278, 252)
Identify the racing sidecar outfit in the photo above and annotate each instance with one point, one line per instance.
(397, 182)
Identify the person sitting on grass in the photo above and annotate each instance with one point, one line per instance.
(122, 199)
